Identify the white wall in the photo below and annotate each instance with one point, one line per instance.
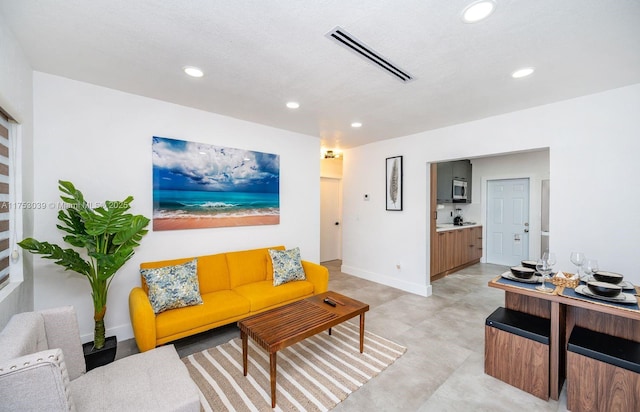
(16, 98)
(100, 139)
(593, 156)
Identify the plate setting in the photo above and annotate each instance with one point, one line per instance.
(533, 279)
(625, 284)
(621, 298)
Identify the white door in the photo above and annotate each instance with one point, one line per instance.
(330, 219)
(507, 221)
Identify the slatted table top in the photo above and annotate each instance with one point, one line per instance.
(281, 327)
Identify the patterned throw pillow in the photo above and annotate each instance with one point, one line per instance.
(286, 266)
(173, 287)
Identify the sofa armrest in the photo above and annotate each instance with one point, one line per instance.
(61, 325)
(143, 319)
(36, 382)
(316, 274)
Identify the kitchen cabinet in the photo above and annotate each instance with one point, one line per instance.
(447, 172)
(475, 243)
(445, 183)
(455, 249)
(444, 244)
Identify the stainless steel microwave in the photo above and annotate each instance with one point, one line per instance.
(459, 191)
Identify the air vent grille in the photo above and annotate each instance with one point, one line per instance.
(345, 39)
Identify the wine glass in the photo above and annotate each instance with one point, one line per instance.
(550, 258)
(590, 266)
(578, 258)
(544, 268)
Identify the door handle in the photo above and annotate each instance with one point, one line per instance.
(337, 223)
(526, 231)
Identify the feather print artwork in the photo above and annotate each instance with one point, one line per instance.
(393, 183)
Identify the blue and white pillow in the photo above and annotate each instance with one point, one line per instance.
(172, 287)
(287, 266)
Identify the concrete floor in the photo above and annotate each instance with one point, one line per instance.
(443, 368)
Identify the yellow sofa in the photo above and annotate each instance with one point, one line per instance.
(233, 285)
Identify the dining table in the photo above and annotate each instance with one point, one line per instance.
(566, 308)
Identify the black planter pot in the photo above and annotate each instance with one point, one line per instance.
(99, 357)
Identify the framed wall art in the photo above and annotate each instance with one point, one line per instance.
(197, 185)
(394, 183)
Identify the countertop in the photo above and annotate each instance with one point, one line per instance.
(443, 227)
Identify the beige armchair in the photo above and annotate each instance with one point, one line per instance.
(42, 368)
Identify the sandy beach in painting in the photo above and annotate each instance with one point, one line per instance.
(168, 223)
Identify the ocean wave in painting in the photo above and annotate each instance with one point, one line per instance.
(189, 204)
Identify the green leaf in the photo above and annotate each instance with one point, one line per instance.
(132, 235)
(110, 219)
(110, 263)
(68, 258)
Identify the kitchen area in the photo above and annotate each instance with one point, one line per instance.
(456, 241)
(463, 226)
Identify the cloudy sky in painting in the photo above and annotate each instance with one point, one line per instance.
(182, 165)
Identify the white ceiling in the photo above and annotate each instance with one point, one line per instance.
(259, 54)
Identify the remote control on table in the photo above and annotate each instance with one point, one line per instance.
(329, 302)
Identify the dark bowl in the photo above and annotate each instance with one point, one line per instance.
(522, 273)
(530, 264)
(608, 277)
(604, 289)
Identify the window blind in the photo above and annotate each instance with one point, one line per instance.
(5, 206)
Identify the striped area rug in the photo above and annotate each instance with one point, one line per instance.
(313, 375)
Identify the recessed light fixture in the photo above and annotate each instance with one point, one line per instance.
(193, 71)
(524, 72)
(356, 124)
(478, 10)
(293, 105)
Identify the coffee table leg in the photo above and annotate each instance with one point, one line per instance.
(272, 369)
(244, 337)
(362, 333)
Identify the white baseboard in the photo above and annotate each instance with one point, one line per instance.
(418, 289)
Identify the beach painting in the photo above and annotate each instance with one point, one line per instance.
(197, 185)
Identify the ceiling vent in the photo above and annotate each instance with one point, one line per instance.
(345, 39)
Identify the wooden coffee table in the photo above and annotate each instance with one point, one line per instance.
(281, 327)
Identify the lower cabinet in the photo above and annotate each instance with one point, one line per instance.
(455, 249)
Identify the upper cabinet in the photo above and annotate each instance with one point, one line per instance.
(447, 173)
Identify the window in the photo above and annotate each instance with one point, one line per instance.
(10, 213)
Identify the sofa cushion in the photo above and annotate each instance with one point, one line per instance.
(156, 380)
(173, 287)
(286, 266)
(24, 334)
(264, 295)
(36, 382)
(250, 266)
(57, 320)
(213, 273)
(224, 304)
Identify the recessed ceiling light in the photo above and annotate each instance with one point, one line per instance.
(193, 71)
(356, 124)
(477, 11)
(524, 72)
(293, 105)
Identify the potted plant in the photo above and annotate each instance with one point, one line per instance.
(108, 236)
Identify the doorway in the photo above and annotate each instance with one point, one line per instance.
(507, 224)
(330, 219)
